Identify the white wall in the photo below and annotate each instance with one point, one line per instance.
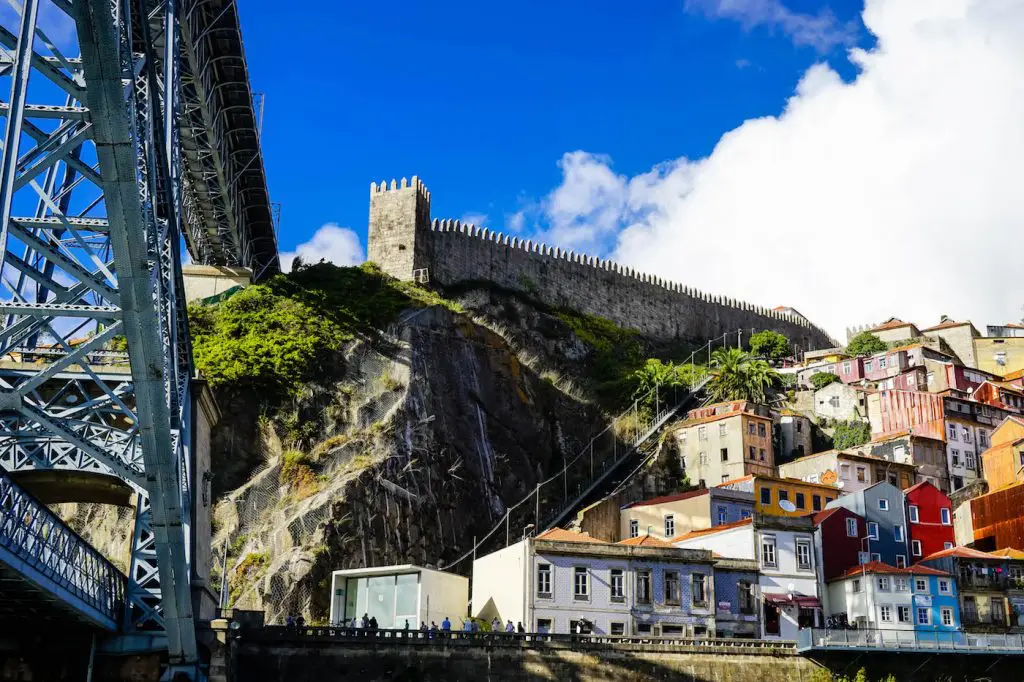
(501, 585)
(441, 595)
(734, 543)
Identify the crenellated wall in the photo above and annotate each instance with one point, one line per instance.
(403, 239)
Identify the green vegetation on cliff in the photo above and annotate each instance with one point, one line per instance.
(272, 338)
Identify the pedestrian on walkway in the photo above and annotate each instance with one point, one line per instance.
(496, 624)
(509, 627)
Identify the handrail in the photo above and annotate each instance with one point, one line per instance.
(38, 537)
(892, 640)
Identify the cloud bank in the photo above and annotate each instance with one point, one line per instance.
(333, 243)
(899, 193)
(821, 31)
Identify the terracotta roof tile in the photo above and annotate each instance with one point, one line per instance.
(1013, 376)
(879, 567)
(713, 529)
(741, 479)
(891, 323)
(961, 553)
(1009, 553)
(945, 325)
(562, 535)
(645, 541)
(665, 499)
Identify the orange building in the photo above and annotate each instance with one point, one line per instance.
(1003, 461)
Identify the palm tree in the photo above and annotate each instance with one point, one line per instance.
(740, 377)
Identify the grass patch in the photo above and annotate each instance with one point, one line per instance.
(249, 570)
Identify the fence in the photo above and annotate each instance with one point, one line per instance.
(555, 497)
(34, 535)
(909, 640)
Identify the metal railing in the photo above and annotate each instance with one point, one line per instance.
(36, 536)
(927, 640)
(358, 636)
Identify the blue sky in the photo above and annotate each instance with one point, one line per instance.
(481, 100)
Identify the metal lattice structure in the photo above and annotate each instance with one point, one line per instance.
(117, 150)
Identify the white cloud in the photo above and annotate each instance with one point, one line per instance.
(472, 218)
(821, 31)
(335, 244)
(895, 194)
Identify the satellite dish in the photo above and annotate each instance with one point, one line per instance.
(787, 505)
(841, 485)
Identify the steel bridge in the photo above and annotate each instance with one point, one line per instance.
(129, 135)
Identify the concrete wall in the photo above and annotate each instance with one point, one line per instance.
(402, 239)
(501, 585)
(203, 281)
(206, 415)
(692, 513)
(443, 595)
(987, 352)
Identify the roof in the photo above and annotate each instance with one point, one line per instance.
(645, 541)
(714, 529)
(687, 423)
(819, 517)
(946, 324)
(879, 567)
(962, 553)
(562, 535)
(665, 499)
(893, 435)
(891, 323)
(741, 479)
(1013, 376)
(918, 485)
(843, 453)
(1009, 553)
(795, 481)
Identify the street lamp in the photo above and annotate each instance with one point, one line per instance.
(526, 528)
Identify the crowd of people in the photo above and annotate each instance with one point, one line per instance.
(367, 625)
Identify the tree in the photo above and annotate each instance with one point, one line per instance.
(865, 343)
(663, 376)
(739, 377)
(823, 379)
(850, 434)
(769, 344)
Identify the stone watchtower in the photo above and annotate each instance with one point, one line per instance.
(398, 239)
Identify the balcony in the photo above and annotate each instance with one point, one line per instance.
(909, 640)
(975, 581)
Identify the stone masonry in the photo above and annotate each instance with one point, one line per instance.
(403, 240)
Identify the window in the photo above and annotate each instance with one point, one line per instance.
(883, 583)
(751, 429)
(883, 505)
(618, 629)
(799, 426)
(753, 452)
(544, 580)
(745, 514)
(766, 495)
(875, 556)
(915, 547)
(924, 615)
(969, 460)
(672, 587)
(844, 472)
(643, 628)
(952, 431)
(862, 474)
(901, 585)
(920, 584)
(997, 609)
(863, 557)
(783, 495)
(957, 482)
(931, 378)
(899, 452)
(885, 613)
(768, 551)
(801, 503)
(851, 528)
(956, 457)
(834, 401)
(903, 614)
(982, 438)
(761, 430)
(946, 518)
(762, 454)
(944, 586)
(634, 528)
(856, 585)
(670, 526)
(846, 368)
(723, 515)
(868, 366)
(702, 458)
(725, 477)
(872, 530)
(897, 533)
(816, 502)
(881, 363)
(543, 625)
(913, 513)
(643, 586)
(803, 555)
(746, 597)
(947, 616)
(901, 561)
(580, 583)
(618, 592)
(722, 429)
(965, 435)
(947, 545)
(725, 454)
(702, 433)
(700, 589)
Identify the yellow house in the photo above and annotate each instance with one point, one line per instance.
(999, 355)
(1003, 461)
(770, 494)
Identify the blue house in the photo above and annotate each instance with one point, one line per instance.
(882, 506)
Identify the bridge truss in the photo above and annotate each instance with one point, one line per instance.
(135, 138)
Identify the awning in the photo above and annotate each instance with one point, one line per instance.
(808, 602)
(777, 598)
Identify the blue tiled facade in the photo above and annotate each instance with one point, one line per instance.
(736, 607)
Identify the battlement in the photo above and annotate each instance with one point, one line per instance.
(403, 239)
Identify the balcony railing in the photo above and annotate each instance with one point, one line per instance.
(909, 640)
(982, 582)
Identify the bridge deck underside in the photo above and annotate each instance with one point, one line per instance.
(25, 605)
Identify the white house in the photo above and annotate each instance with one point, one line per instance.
(562, 579)
(787, 580)
(394, 594)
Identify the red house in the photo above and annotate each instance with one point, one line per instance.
(930, 520)
(839, 533)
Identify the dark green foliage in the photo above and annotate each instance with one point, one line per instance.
(667, 377)
(271, 338)
(616, 352)
(849, 434)
(865, 343)
(823, 379)
(770, 345)
(737, 376)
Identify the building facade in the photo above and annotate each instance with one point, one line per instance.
(1003, 461)
(929, 520)
(395, 595)
(671, 515)
(839, 540)
(927, 455)
(784, 496)
(729, 443)
(794, 431)
(991, 587)
(737, 611)
(882, 597)
(841, 401)
(882, 507)
(852, 470)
